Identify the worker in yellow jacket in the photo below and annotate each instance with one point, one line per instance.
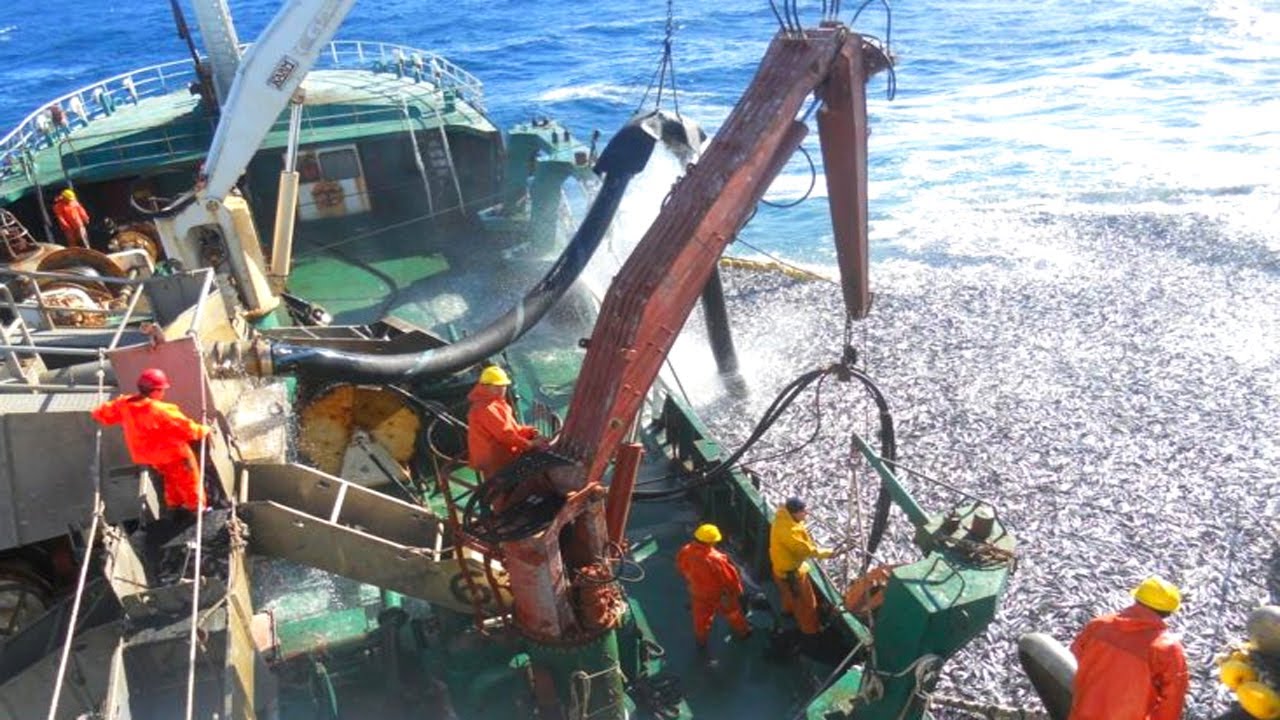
(790, 548)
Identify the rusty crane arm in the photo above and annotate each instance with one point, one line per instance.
(656, 289)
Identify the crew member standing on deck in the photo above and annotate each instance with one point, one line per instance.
(158, 434)
(714, 585)
(1131, 666)
(494, 438)
(73, 219)
(790, 548)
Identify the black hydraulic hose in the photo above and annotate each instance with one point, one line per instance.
(325, 364)
(888, 453)
(174, 206)
(717, 473)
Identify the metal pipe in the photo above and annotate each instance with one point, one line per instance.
(25, 388)
(133, 303)
(287, 200)
(68, 276)
(890, 482)
(205, 289)
(718, 329)
(39, 350)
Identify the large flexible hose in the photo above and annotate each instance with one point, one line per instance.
(623, 158)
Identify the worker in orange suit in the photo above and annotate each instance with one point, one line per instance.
(158, 434)
(714, 585)
(73, 219)
(790, 549)
(1131, 666)
(494, 437)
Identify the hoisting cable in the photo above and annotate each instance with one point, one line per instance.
(666, 68)
(883, 48)
(94, 467)
(194, 639)
(782, 25)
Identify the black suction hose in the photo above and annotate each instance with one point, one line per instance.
(325, 364)
(623, 158)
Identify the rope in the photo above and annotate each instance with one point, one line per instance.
(95, 468)
(783, 263)
(194, 640)
(791, 271)
(417, 154)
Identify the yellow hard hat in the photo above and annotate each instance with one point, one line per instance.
(1158, 594)
(494, 375)
(707, 533)
(68, 194)
(1236, 672)
(1259, 700)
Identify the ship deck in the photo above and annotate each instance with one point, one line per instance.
(450, 284)
(163, 125)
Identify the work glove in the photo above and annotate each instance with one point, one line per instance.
(824, 553)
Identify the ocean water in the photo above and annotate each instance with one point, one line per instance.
(1074, 215)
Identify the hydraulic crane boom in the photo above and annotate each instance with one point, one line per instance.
(656, 289)
(268, 75)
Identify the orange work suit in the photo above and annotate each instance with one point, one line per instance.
(790, 547)
(1131, 668)
(73, 219)
(159, 435)
(714, 587)
(494, 438)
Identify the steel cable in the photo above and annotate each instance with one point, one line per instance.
(200, 507)
(95, 468)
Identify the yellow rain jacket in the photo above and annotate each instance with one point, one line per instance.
(790, 545)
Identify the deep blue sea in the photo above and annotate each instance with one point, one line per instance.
(1076, 228)
(1053, 104)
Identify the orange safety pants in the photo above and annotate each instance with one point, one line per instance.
(704, 615)
(799, 599)
(182, 486)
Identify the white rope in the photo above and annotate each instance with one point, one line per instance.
(417, 155)
(195, 584)
(95, 468)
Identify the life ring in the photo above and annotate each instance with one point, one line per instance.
(866, 594)
(327, 194)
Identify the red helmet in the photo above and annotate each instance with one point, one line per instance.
(152, 379)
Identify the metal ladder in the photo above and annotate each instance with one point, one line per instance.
(30, 368)
(440, 156)
(444, 468)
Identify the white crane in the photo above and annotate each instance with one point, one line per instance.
(266, 81)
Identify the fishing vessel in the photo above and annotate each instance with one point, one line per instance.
(352, 562)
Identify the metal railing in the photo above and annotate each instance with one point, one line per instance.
(32, 345)
(82, 107)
